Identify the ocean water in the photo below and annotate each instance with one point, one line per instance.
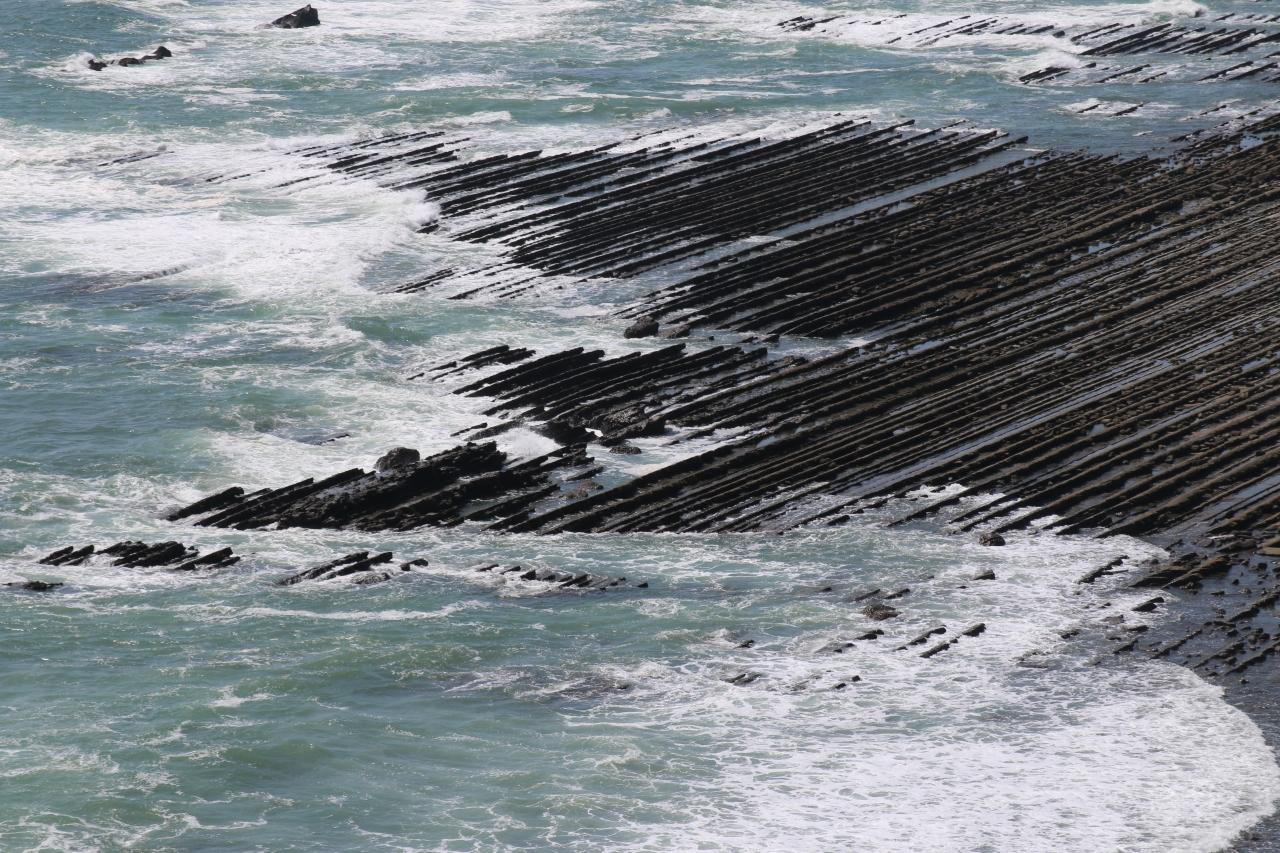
(163, 336)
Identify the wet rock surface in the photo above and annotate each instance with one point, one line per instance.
(34, 586)
(307, 16)
(172, 556)
(472, 482)
(1075, 338)
(160, 52)
(555, 580)
(360, 567)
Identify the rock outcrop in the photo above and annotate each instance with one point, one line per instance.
(472, 482)
(307, 16)
(160, 52)
(173, 556)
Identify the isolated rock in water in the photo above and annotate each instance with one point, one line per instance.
(991, 538)
(879, 612)
(645, 327)
(34, 586)
(160, 52)
(397, 457)
(307, 16)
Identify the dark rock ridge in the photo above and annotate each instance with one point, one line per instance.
(1233, 36)
(586, 397)
(365, 569)
(502, 354)
(1029, 320)
(307, 16)
(34, 586)
(557, 580)
(360, 567)
(472, 482)
(174, 556)
(1087, 338)
(621, 214)
(1019, 342)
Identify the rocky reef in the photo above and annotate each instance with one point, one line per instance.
(1086, 343)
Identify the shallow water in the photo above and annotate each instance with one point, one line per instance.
(163, 336)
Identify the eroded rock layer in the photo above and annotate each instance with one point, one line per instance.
(1106, 356)
(475, 482)
(1080, 341)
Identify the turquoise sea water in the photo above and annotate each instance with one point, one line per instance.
(163, 336)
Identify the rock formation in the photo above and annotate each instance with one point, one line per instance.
(307, 16)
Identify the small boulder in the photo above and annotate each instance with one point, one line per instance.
(744, 678)
(629, 422)
(125, 61)
(645, 327)
(991, 538)
(565, 433)
(879, 612)
(585, 490)
(397, 457)
(97, 64)
(307, 16)
(160, 52)
(673, 332)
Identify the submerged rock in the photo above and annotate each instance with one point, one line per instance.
(307, 16)
(991, 539)
(34, 586)
(879, 612)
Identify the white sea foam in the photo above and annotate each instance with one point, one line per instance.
(967, 750)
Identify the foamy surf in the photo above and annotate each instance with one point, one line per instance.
(1012, 740)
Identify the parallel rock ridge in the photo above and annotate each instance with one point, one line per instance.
(1077, 330)
(473, 482)
(1091, 340)
(643, 204)
(173, 556)
(1245, 42)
